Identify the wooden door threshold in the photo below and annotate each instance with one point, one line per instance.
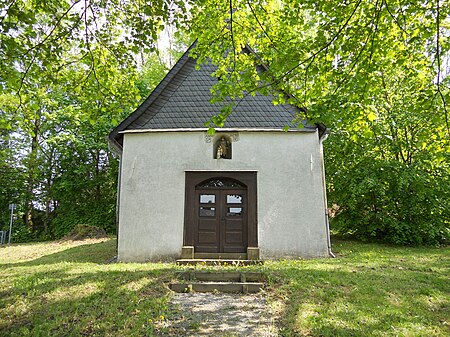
(226, 256)
(252, 254)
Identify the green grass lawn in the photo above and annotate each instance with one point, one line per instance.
(67, 289)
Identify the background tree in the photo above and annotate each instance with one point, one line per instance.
(375, 72)
(69, 176)
(390, 171)
(70, 80)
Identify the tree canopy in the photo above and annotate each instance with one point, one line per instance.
(375, 72)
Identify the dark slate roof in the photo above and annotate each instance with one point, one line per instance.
(182, 100)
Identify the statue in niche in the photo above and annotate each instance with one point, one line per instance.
(223, 148)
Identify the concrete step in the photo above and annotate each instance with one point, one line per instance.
(218, 276)
(221, 256)
(219, 262)
(223, 287)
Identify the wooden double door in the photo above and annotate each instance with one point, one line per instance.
(221, 221)
(220, 211)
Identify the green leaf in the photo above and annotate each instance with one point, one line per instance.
(211, 131)
(372, 116)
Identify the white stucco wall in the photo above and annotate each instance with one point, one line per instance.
(291, 208)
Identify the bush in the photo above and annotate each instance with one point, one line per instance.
(81, 232)
(22, 233)
(392, 202)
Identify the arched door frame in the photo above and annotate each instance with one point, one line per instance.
(194, 178)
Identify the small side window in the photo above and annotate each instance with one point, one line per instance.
(207, 198)
(207, 211)
(234, 199)
(234, 211)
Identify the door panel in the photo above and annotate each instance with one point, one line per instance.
(233, 238)
(207, 233)
(207, 238)
(233, 212)
(207, 225)
(233, 226)
(221, 221)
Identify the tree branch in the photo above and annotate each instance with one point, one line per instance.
(438, 59)
(39, 44)
(326, 46)
(393, 17)
(261, 26)
(312, 57)
(377, 16)
(22, 80)
(232, 35)
(7, 11)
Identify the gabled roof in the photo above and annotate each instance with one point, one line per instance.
(182, 101)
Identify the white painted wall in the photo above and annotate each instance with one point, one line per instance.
(291, 208)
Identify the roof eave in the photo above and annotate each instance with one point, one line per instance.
(305, 129)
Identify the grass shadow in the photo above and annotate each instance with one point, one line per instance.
(369, 290)
(72, 293)
(86, 253)
(358, 297)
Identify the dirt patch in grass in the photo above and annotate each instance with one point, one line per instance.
(199, 314)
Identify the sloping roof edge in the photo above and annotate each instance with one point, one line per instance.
(114, 136)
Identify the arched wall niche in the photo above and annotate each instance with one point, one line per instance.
(222, 146)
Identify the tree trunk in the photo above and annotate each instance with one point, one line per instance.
(32, 163)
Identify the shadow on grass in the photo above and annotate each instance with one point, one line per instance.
(363, 302)
(83, 297)
(102, 303)
(357, 295)
(87, 253)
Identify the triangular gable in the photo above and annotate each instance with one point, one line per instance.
(182, 101)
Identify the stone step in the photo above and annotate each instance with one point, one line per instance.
(218, 262)
(217, 276)
(223, 287)
(221, 256)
